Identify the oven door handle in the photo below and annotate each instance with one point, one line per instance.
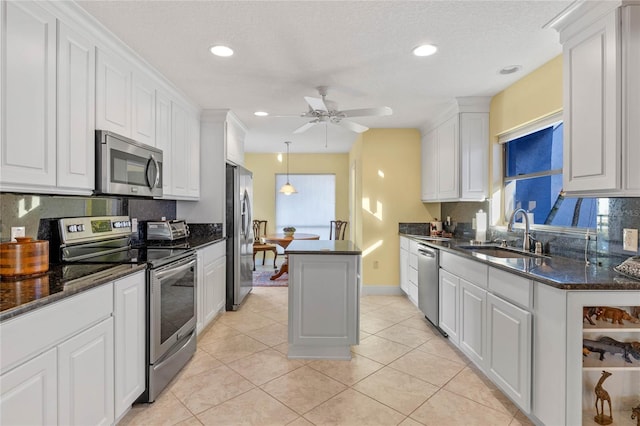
(173, 270)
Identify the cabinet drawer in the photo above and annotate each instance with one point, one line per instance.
(517, 289)
(41, 329)
(467, 269)
(213, 252)
(413, 276)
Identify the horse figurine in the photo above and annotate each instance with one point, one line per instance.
(602, 395)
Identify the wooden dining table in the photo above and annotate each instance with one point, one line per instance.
(283, 241)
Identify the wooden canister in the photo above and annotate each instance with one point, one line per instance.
(24, 257)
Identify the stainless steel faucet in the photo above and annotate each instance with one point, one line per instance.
(526, 246)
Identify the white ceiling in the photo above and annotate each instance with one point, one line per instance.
(360, 49)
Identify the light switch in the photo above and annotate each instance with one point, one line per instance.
(630, 240)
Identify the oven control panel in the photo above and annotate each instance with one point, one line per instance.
(82, 229)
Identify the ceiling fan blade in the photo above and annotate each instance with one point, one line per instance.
(306, 127)
(354, 127)
(316, 104)
(380, 111)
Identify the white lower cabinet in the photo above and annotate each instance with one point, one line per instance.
(211, 283)
(491, 331)
(83, 361)
(509, 349)
(404, 264)
(28, 393)
(473, 323)
(448, 312)
(85, 377)
(129, 333)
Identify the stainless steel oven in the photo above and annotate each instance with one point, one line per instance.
(127, 167)
(171, 321)
(170, 293)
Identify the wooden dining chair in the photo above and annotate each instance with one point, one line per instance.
(337, 229)
(259, 231)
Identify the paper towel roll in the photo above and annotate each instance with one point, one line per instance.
(481, 226)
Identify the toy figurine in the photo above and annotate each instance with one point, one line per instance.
(635, 414)
(602, 395)
(589, 311)
(616, 315)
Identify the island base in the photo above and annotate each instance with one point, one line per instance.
(340, 353)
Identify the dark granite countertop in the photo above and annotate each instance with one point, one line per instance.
(556, 271)
(24, 294)
(322, 247)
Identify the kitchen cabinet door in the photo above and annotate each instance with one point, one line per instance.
(234, 139)
(28, 393)
(509, 350)
(193, 160)
(143, 120)
(28, 155)
(85, 377)
(474, 156)
(449, 286)
(163, 139)
(75, 111)
(218, 272)
(129, 334)
(448, 160)
(179, 151)
(113, 94)
(211, 284)
(473, 322)
(429, 155)
(404, 264)
(631, 99)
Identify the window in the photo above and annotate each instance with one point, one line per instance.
(312, 208)
(533, 181)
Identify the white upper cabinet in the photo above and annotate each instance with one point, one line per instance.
(143, 120)
(235, 133)
(163, 138)
(177, 134)
(76, 110)
(455, 153)
(601, 87)
(29, 99)
(113, 94)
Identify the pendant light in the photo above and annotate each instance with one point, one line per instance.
(287, 188)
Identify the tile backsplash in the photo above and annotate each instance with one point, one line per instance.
(28, 209)
(605, 245)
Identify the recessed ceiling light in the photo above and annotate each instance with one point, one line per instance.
(221, 50)
(510, 69)
(425, 50)
(261, 113)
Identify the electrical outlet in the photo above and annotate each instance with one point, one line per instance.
(134, 225)
(17, 231)
(630, 240)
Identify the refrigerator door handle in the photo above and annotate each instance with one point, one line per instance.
(246, 215)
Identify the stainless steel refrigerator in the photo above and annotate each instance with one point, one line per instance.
(239, 232)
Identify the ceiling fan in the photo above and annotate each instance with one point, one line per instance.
(326, 111)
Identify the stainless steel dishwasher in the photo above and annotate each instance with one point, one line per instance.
(428, 287)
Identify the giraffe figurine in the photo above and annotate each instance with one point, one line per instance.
(602, 395)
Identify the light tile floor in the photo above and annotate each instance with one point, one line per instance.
(402, 373)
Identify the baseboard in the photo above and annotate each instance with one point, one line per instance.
(382, 290)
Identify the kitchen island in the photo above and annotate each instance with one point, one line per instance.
(324, 299)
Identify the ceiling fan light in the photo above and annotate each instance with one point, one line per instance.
(425, 50)
(220, 50)
(288, 189)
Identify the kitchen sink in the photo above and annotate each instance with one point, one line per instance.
(501, 252)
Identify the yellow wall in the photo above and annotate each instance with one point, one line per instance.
(388, 199)
(266, 166)
(536, 95)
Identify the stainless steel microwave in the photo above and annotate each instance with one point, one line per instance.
(127, 167)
